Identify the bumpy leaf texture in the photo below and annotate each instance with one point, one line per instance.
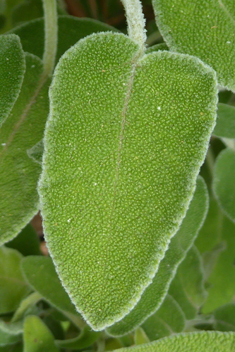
(126, 136)
(205, 29)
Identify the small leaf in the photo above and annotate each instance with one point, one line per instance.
(70, 31)
(27, 242)
(169, 319)
(191, 342)
(140, 337)
(157, 47)
(187, 288)
(12, 69)
(225, 124)
(225, 317)
(223, 183)
(37, 337)
(154, 294)
(202, 29)
(85, 339)
(26, 306)
(111, 199)
(13, 287)
(36, 152)
(20, 132)
(10, 333)
(40, 273)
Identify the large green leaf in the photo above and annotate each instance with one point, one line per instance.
(187, 287)
(22, 130)
(40, 273)
(180, 243)
(218, 231)
(124, 143)
(70, 30)
(169, 319)
(205, 29)
(12, 69)
(13, 287)
(225, 125)
(192, 342)
(224, 182)
(37, 337)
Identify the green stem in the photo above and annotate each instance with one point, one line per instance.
(50, 18)
(135, 21)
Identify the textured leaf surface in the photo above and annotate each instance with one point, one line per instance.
(169, 319)
(86, 338)
(70, 31)
(187, 287)
(37, 337)
(225, 124)
(10, 332)
(12, 69)
(202, 29)
(18, 173)
(224, 182)
(41, 275)
(124, 144)
(27, 242)
(179, 245)
(192, 342)
(13, 287)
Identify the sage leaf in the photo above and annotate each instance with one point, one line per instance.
(10, 332)
(140, 337)
(70, 31)
(86, 338)
(125, 139)
(20, 132)
(40, 273)
(202, 29)
(225, 125)
(12, 69)
(27, 242)
(37, 337)
(169, 319)
(13, 287)
(36, 152)
(224, 318)
(188, 286)
(154, 294)
(190, 342)
(223, 182)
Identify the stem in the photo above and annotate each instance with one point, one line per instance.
(50, 18)
(135, 21)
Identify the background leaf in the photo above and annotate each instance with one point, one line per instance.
(86, 338)
(12, 69)
(27, 242)
(191, 342)
(225, 317)
(37, 337)
(225, 124)
(154, 294)
(223, 182)
(13, 287)
(21, 131)
(111, 187)
(10, 333)
(202, 29)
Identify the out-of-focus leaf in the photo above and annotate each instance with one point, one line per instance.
(116, 197)
(12, 348)
(10, 333)
(26, 11)
(26, 306)
(6, 9)
(224, 182)
(218, 229)
(27, 242)
(169, 319)
(40, 273)
(202, 29)
(209, 341)
(157, 47)
(180, 244)
(12, 69)
(37, 337)
(13, 287)
(225, 318)
(85, 339)
(19, 174)
(140, 336)
(70, 30)
(36, 152)
(225, 124)
(187, 287)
